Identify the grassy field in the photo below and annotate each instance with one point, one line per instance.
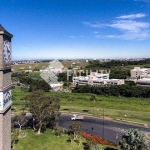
(45, 141)
(142, 66)
(44, 65)
(67, 63)
(34, 74)
(135, 109)
(48, 141)
(41, 65)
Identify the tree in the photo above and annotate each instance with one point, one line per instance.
(93, 98)
(130, 83)
(20, 120)
(75, 127)
(91, 144)
(39, 85)
(45, 109)
(133, 139)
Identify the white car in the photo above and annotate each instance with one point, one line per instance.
(77, 117)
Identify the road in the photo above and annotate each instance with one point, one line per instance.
(103, 128)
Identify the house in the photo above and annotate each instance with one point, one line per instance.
(137, 72)
(96, 79)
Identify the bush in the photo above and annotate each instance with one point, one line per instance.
(98, 139)
(13, 87)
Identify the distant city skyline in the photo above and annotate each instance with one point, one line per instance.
(67, 29)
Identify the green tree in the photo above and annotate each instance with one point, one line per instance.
(45, 109)
(93, 98)
(39, 85)
(75, 127)
(90, 143)
(131, 83)
(133, 139)
(20, 120)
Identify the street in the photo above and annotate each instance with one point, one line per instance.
(107, 129)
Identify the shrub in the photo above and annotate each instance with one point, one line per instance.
(98, 139)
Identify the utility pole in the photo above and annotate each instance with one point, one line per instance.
(103, 128)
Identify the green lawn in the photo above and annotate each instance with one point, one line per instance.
(44, 65)
(34, 74)
(142, 66)
(48, 141)
(45, 141)
(135, 109)
(41, 65)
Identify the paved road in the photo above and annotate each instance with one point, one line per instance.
(108, 131)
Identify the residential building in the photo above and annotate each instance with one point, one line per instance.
(137, 72)
(96, 79)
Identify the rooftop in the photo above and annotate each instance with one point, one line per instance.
(4, 31)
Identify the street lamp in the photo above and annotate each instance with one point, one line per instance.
(116, 138)
(92, 130)
(103, 128)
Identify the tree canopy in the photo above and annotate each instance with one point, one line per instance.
(133, 139)
(45, 110)
(128, 90)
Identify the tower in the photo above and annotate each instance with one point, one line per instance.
(5, 89)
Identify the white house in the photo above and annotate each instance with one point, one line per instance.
(96, 79)
(137, 72)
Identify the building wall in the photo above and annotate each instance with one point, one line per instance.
(1, 80)
(5, 113)
(145, 76)
(120, 82)
(1, 51)
(135, 74)
(5, 128)
(5, 79)
(148, 71)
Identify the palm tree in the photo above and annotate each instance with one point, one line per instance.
(133, 139)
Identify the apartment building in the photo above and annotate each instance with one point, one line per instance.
(137, 72)
(146, 76)
(143, 81)
(141, 75)
(96, 79)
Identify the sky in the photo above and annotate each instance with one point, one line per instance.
(76, 29)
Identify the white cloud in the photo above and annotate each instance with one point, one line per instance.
(131, 36)
(132, 16)
(146, 1)
(129, 28)
(140, 35)
(129, 25)
(82, 36)
(95, 32)
(94, 25)
(72, 36)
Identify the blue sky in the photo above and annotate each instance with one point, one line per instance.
(53, 29)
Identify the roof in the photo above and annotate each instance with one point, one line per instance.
(4, 31)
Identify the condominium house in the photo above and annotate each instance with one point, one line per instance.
(115, 81)
(141, 75)
(143, 81)
(137, 72)
(146, 76)
(96, 79)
